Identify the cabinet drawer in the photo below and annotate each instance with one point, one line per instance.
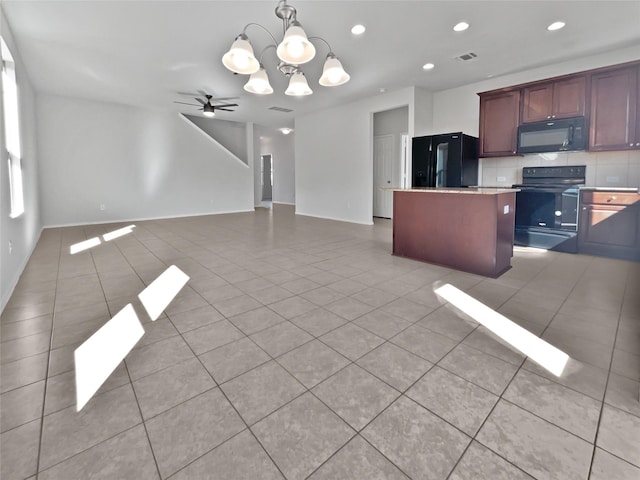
(611, 198)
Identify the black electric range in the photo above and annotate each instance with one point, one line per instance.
(547, 207)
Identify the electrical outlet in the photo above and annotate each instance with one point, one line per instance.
(103, 206)
(613, 179)
(502, 179)
(10, 247)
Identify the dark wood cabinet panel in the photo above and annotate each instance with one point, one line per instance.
(609, 224)
(499, 114)
(559, 99)
(569, 97)
(537, 103)
(614, 109)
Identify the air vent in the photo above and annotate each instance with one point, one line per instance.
(280, 109)
(466, 56)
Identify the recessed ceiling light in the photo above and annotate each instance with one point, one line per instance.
(461, 27)
(428, 66)
(286, 131)
(555, 26)
(382, 90)
(358, 29)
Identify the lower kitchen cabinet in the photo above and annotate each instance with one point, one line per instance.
(609, 223)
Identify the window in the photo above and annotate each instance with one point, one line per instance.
(12, 130)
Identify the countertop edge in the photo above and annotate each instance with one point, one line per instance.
(611, 189)
(471, 190)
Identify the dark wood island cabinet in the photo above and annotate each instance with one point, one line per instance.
(467, 229)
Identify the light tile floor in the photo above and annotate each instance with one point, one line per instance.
(300, 348)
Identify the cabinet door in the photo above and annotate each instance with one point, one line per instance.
(614, 97)
(607, 229)
(537, 102)
(569, 97)
(499, 115)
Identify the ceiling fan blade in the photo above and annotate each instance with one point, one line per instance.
(219, 99)
(192, 104)
(227, 105)
(202, 102)
(225, 109)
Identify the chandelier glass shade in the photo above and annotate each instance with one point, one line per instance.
(259, 83)
(298, 85)
(294, 50)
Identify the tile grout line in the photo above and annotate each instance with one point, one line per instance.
(217, 385)
(604, 395)
(46, 376)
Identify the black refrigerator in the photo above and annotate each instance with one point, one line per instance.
(446, 160)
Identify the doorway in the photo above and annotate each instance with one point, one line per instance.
(390, 157)
(266, 177)
(383, 176)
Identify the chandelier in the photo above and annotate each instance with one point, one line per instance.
(294, 50)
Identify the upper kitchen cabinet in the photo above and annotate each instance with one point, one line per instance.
(614, 110)
(499, 115)
(558, 99)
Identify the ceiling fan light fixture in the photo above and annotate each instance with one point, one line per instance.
(295, 47)
(240, 57)
(298, 86)
(333, 73)
(259, 83)
(209, 110)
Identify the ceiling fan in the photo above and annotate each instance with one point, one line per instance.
(209, 109)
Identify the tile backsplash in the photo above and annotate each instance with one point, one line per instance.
(604, 169)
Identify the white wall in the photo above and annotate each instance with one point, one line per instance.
(24, 231)
(138, 163)
(281, 148)
(231, 135)
(423, 117)
(334, 157)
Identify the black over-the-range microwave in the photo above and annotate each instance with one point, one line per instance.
(552, 136)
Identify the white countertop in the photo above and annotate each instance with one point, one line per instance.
(470, 190)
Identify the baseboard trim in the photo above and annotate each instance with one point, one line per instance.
(146, 219)
(332, 218)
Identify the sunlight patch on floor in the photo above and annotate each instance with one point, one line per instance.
(543, 353)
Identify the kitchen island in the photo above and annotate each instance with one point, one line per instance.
(469, 229)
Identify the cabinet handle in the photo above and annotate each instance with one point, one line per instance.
(610, 199)
(548, 116)
(638, 144)
(631, 144)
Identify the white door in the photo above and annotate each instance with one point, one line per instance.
(383, 177)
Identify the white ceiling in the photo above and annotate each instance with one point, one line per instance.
(147, 52)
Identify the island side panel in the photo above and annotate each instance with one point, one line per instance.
(458, 230)
(506, 230)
